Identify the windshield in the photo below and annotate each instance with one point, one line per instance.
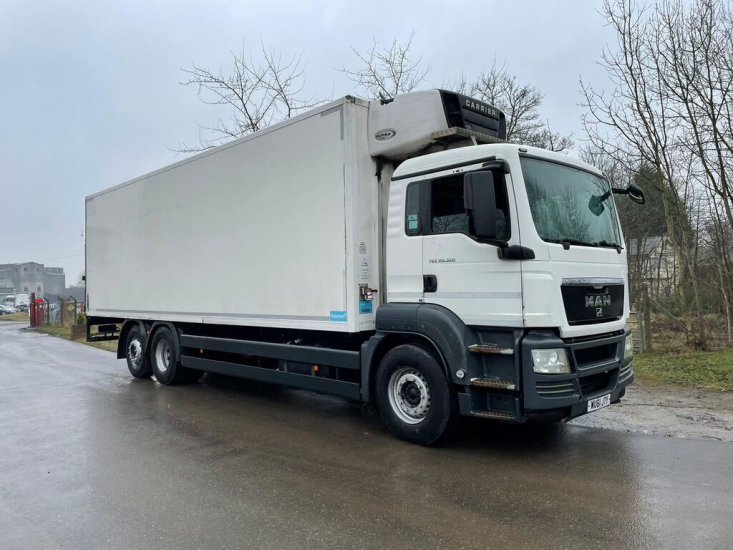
(570, 205)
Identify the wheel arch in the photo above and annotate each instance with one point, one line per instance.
(432, 326)
(374, 350)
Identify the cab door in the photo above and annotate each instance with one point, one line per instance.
(460, 273)
(404, 243)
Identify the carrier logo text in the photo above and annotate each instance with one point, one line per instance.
(480, 108)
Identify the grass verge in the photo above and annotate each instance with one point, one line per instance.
(712, 370)
(65, 332)
(16, 317)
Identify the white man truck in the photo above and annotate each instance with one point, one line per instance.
(393, 252)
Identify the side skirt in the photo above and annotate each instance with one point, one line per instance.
(348, 390)
(305, 354)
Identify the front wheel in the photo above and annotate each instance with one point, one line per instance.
(413, 395)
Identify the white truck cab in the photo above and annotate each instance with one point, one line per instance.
(535, 293)
(542, 204)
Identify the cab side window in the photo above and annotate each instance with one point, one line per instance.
(503, 228)
(447, 213)
(412, 210)
(436, 206)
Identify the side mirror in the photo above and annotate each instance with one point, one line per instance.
(479, 199)
(636, 193)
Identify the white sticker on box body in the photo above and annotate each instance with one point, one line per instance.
(365, 268)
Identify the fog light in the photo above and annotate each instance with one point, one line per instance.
(550, 361)
(629, 346)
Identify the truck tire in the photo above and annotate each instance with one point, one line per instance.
(413, 396)
(137, 363)
(167, 370)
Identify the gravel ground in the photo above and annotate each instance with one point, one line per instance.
(672, 412)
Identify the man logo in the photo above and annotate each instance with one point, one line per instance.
(599, 301)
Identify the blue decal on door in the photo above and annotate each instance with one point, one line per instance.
(365, 307)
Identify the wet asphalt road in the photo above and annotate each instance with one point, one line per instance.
(90, 458)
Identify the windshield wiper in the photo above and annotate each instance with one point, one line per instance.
(607, 244)
(567, 242)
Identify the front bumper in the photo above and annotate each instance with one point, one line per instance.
(597, 368)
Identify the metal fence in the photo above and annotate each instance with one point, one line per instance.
(63, 311)
(640, 326)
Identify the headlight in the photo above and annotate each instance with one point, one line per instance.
(629, 346)
(550, 361)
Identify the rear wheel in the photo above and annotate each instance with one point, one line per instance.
(137, 363)
(413, 395)
(167, 369)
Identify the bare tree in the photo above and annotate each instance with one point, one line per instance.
(520, 102)
(672, 74)
(389, 71)
(696, 61)
(255, 95)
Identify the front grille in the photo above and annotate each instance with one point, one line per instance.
(556, 389)
(594, 383)
(590, 337)
(598, 354)
(587, 304)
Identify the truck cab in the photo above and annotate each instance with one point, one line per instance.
(516, 253)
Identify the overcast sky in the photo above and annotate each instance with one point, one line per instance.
(90, 94)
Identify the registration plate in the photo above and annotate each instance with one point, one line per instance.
(599, 402)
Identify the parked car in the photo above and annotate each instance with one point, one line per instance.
(7, 310)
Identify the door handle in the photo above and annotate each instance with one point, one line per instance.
(515, 252)
(429, 283)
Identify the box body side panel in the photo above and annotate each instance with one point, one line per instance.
(254, 235)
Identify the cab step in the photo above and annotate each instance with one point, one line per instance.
(493, 415)
(493, 383)
(490, 348)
